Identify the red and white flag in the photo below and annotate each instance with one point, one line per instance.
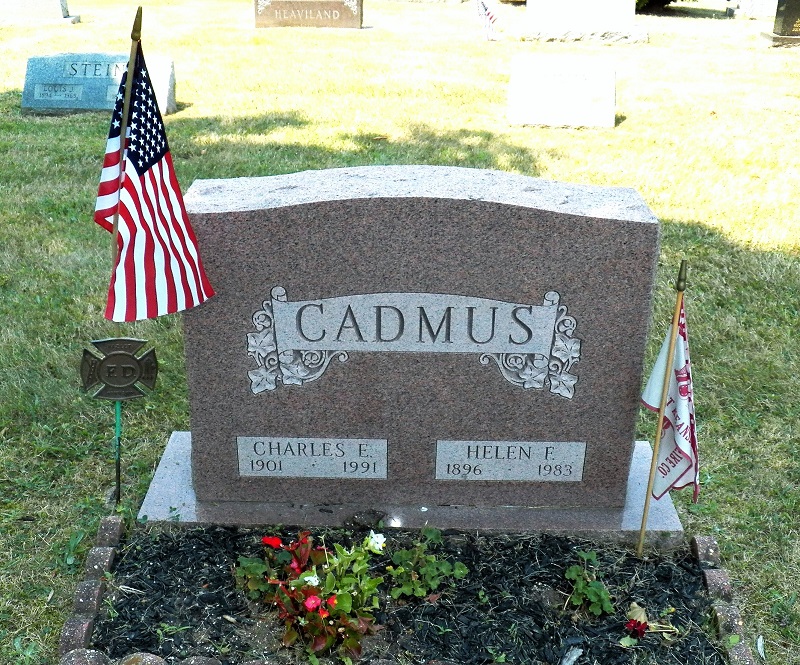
(678, 464)
(158, 268)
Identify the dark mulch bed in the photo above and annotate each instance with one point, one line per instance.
(174, 596)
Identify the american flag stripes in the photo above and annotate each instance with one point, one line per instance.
(158, 268)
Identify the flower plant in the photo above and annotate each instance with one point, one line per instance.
(417, 572)
(325, 598)
(638, 624)
(587, 590)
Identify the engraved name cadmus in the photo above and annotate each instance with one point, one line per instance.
(533, 345)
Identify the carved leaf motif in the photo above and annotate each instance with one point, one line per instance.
(262, 379)
(563, 384)
(566, 349)
(533, 376)
(260, 345)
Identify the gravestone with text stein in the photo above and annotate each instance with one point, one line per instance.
(439, 345)
(74, 82)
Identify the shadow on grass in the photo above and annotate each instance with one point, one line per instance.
(204, 146)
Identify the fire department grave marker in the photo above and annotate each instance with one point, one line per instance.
(440, 345)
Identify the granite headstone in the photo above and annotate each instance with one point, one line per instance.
(309, 13)
(561, 91)
(436, 345)
(74, 82)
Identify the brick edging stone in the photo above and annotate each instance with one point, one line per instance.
(77, 632)
(727, 618)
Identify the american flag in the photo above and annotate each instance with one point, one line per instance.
(158, 268)
(488, 16)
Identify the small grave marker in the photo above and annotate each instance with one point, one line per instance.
(114, 371)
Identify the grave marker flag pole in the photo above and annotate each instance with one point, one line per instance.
(685, 462)
(136, 36)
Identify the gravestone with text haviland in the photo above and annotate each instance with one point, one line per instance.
(438, 345)
(73, 82)
(309, 13)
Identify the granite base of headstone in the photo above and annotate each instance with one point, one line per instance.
(582, 20)
(171, 498)
(424, 345)
(561, 91)
(77, 82)
(309, 13)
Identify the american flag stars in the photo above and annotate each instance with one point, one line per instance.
(148, 141)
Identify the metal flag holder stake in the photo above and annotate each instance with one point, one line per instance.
(120, 375)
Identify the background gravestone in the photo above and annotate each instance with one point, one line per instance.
(439, 345)
(74, 82)
(21, 12)
(787, 18)
(786, 30)
(561, 91)
(309, 13)
(603, 20)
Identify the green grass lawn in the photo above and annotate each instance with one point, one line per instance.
(708, 120)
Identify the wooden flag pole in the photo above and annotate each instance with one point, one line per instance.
(136, 35)
(680, 287)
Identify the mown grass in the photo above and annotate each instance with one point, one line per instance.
(706, 132)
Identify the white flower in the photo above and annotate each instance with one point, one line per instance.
(312, 580)
(375, 542)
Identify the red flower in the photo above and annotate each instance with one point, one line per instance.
(295, 565)
(636, 628)
(331, 601)
(312, 602)
(272, 541)
(324, 613)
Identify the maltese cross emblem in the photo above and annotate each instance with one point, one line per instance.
(116, 368)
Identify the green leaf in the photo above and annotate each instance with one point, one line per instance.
(628, 642)
(344, 602)
(460, 571)
(431, 534)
